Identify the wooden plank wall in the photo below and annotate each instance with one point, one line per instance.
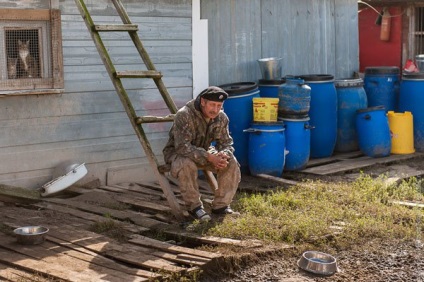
(87, 123)
(312, 36)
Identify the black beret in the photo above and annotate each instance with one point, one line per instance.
(214, 93)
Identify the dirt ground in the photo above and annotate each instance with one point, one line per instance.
(377, 260)
(373, 261)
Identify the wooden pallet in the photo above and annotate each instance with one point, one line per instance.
(73, 252)
(345, 162)
(351, 161)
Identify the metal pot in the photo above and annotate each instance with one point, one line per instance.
(31, 235)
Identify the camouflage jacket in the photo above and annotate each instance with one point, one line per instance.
(191, 136)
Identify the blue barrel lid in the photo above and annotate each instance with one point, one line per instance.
(316, 77)
(301, 119)
(382, 70)
(271, 81)
(238, 88)
(349, 82)
(413, 76)
(275, 126)
(370, 109)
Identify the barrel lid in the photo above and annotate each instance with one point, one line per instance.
(294, 119)
(271, 81)
(413, 76)
(370, 109)
(238, 88)
(316, 77)
(349, 82)
(274, 126)
(382, 70)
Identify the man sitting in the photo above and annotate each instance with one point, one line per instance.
(197, 125)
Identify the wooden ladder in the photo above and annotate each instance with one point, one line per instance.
(150, 73)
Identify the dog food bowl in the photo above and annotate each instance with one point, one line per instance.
(318, 263)
(31, 235)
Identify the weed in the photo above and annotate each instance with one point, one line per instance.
(111, 228)
(309, 211)
(191, 276)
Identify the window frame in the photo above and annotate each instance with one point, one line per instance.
(50, 43)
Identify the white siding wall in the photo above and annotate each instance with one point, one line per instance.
(88, 123)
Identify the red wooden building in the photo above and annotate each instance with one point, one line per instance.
(405, 37)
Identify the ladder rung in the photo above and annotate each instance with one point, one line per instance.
(138, 74)
(151, 119)
(116, 27)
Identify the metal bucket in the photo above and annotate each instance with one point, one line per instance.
(419, 61)
(270, 68)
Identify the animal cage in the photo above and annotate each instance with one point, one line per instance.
(31, 50)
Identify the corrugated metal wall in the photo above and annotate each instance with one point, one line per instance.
(312, 36)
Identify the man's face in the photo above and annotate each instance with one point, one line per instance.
(210, 109)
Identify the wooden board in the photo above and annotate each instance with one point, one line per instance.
(56, 257)
(356, 163)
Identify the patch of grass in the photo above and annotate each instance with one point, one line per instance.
(36, 277)
(308, 213)
(116, 206)
(192, 276)
(110, 228)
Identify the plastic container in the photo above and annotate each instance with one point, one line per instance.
(323, 114)
(266, 148)
(269, 88)
(411, 99)
(265, 109)
(351, 97)
(239, 109)
(373, 132)
(401, 128)
(295, 98)
(298, 136)
(382, 87)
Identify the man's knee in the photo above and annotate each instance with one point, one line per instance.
(182, 165)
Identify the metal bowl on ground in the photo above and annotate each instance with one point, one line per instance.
(31, 235)
(318, 263)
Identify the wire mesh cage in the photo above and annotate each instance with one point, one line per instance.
(23, 53)
(30, 50)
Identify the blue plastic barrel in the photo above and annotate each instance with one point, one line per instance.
(298, 136)
(323, 114)
(411, 99)
(382, 86)
(266, 148)
(269, 88)
(239, 109)
(351, 97)
(373, 130)
(295, 98)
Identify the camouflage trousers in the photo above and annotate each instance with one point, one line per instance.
(186, 171)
